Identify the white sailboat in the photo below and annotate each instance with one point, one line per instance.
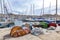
(6, 21)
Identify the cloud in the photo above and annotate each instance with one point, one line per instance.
(25, 5)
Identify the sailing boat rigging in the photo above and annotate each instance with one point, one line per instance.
(7, 21)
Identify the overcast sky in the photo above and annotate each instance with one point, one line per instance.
(23, 5)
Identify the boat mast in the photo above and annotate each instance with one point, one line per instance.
(50, 8)
(5, 9)
(56, 9)
(41, 13)
(2, 7)
(32, 9)
(43, 7)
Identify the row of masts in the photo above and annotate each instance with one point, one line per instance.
(42, 9)
(32, 9)
(49, 9)
(4, 9)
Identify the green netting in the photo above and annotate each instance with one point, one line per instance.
(44, 24)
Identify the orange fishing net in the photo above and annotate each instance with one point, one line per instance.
(18, 31)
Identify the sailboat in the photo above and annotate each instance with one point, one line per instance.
(6, 21)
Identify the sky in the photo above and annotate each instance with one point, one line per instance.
(24, 6)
